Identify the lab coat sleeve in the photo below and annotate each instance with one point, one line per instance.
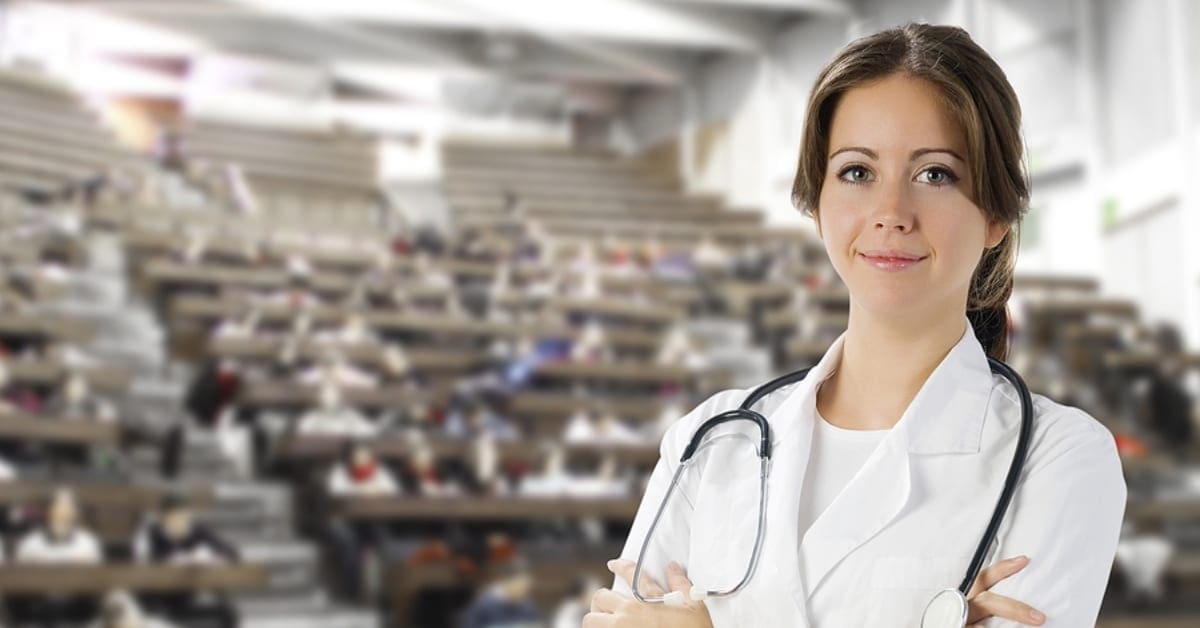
(671, 539)
(1066, 517)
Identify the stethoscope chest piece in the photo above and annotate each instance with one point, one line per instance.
(947, 609)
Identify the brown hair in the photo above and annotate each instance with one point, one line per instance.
(976, 91)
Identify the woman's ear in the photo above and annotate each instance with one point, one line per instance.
(995, 235)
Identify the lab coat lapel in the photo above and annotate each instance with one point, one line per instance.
(945, 416)
(791, 429)
(869, 503)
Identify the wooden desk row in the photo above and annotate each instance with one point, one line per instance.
(422, 359)
(158, 275)
(104, 495)
(43, 326)
(54, 430)
(484, 508)
(138, 215)
(670, 298)
(314, 448)
(163, 272)
(1082, 308)
(137, 577)
(196, 309)
(52, 372)
(725, 234)
(275, 392)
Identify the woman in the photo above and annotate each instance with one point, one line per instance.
(889, 456)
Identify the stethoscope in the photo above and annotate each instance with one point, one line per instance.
(948, 608)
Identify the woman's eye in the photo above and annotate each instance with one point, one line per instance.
(854, 174)
(937, 176)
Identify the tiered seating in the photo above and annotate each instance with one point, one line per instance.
(589, 195)
(48, 139)
(314, 177)
(68, 421)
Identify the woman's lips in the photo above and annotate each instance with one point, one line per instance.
(884, 262)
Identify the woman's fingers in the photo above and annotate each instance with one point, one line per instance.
(677, 580)
(995, 573)
(606, 601)
(988, 604)
(984, 603)
(599, 620)
(646, 585)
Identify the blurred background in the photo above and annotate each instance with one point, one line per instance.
(365, 313)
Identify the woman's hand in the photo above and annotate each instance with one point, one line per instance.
(983, 603)
(612, 609)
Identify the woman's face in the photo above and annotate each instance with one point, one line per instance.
(895, 211)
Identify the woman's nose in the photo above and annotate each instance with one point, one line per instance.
(894, 209)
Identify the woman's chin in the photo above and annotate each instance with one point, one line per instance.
(893, 304)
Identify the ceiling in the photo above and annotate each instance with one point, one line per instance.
(377, 46)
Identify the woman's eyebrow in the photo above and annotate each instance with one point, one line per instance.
(915, 154)
(924, 151)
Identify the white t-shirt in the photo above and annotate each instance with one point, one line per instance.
(339, 483)
(339, 422)
(37, 547)
(837, 455)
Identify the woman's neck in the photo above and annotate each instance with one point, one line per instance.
(884, 362)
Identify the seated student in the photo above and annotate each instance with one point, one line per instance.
(16, 292)
(172, 536)
(333, 417)
(354, 330)
(8, 473)
(75, 399)
(424, 474)
(581, 427)
(592, 344)
(193, 251)
(506, 601)
(611, 430)
(54, 265)
(571, 610)
(359, 472)
(678, 349)
(59, 539)
(298, 295)
(484, 470)
(557, 480)
(244, 326)
(214, 389)
(6, 392)
(239, 195)
(120, 610)
(336, 369)
(710, 257)
(672, 408)
(431, 275)
(473, 418)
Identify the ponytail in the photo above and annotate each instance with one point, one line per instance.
(991, 329)
(987, 299)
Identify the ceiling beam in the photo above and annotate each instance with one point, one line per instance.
(815, 7)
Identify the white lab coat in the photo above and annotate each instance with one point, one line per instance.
(908, 522)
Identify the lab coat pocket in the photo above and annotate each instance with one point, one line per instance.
(913, 571)
(902, 585)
